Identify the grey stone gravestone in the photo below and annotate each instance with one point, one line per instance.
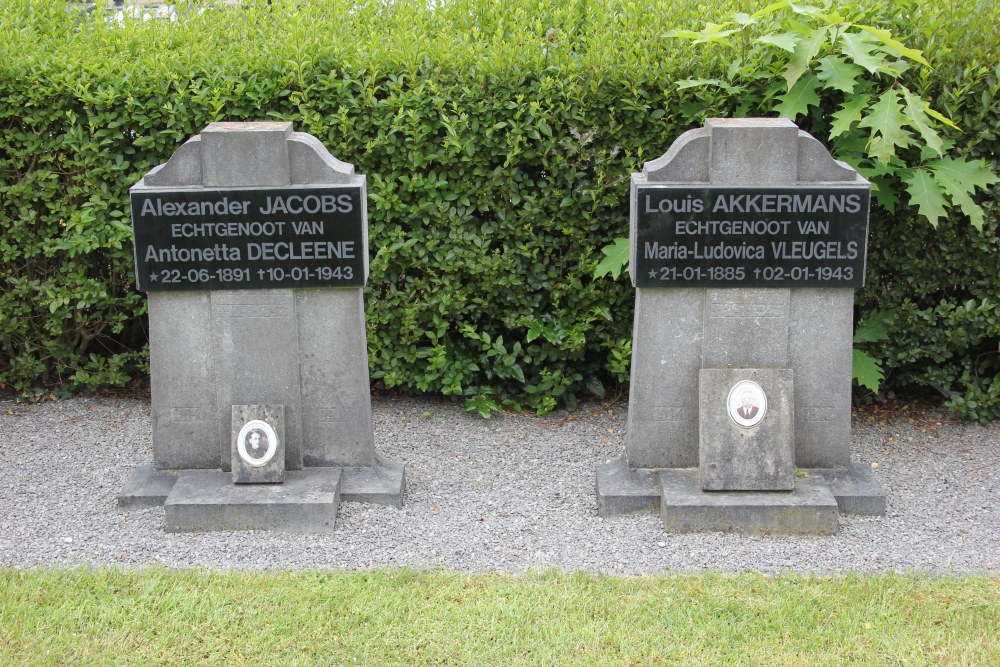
(747, 241)
(252, 243)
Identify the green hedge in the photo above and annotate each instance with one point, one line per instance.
(497, 138)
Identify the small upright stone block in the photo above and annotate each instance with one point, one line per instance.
(258, 444)
(747, 440)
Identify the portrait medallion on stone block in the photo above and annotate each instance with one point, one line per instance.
(746, 433)
(258, 447)
(746, 403)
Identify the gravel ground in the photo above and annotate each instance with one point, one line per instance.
(512, 493)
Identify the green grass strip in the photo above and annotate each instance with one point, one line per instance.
(166, 617)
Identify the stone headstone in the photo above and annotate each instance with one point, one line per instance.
(747, 241)
(252, 243)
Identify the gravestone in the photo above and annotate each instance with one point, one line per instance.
(747, 241)
(252, 244)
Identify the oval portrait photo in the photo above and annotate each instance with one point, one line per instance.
(257, 442)
(747, 403)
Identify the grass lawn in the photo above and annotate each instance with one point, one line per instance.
(165, 617)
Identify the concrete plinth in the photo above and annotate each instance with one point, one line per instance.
(207, 500)
(856, 489)
(809, 509)
(146, 487)
(622, 489)
(382, 483)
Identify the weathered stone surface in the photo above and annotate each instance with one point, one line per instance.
(182, 381)
(263, 426)
(183, 167)
(816, 163)
(622, 489)
(333, 367)
(745, 327)
(382, 483)
(207, 500)
(663, 394)
(753, 151)
(810, 509)
(819, 349)
(255, 342)
(738, 458)
(856, 489)
(246, 154)
(146, 487)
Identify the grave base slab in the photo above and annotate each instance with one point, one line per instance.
(856, 489)
(623, 490)
(146, 487)
(379, 484)
(809, 509)
(207, 500)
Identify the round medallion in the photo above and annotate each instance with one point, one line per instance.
(257, 443)
(746, 403)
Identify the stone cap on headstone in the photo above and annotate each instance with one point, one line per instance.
(301, 159)
(782, 155)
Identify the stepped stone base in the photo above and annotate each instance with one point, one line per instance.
(207, 500)
(820, 495)
(147, 487)
(810, 508)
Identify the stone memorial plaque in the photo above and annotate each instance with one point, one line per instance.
(258, 448)
(715, 236)
(248, 238)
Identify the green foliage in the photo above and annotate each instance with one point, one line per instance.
(497, 139)
(497, 144)
(814, 64)
(862, 91)
(616, 258)
(866, 369)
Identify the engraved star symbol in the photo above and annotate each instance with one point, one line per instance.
(652, 273)
(153, 277)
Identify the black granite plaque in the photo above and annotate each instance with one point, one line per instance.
(249, 238)
(750, 236)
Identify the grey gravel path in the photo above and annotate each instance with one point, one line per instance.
(512, 493)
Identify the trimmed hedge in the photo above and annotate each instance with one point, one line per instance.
(497, 137)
